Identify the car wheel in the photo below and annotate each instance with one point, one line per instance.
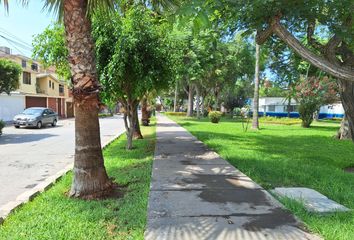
(17, 126)
(54, 123)
(39, 125)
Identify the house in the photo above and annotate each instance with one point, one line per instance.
(278, 107)
(38, 87)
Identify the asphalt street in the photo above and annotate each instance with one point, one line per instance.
(28, 156)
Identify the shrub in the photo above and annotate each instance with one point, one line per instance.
(214, 116)
(104, 115)
(2, 125)
(280, 120)
(181, 114)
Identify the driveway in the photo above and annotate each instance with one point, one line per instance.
(29, 156)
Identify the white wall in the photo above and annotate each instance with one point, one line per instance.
(11, 105)
(336, 108)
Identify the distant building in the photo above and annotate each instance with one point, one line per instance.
(278, 107)
(38, 87)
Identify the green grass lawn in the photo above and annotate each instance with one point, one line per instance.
(52, 215)
(281, 155)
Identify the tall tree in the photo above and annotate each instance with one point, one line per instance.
(90, 178)
(132, 61)
(255, 122)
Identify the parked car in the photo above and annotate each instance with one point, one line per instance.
(36, 117)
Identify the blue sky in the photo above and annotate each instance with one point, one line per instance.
(23, 22)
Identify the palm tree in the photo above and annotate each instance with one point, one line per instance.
(90, 177)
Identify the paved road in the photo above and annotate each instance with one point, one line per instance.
(29, 156)
(197, 195)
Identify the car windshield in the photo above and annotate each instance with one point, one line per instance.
(33, 111)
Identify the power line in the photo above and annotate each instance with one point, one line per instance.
(17, 43)
(4, 31)
(15, 47)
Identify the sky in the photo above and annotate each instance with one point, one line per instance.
(20, 24)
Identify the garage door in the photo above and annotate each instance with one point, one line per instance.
(10, 106)
(36, 102)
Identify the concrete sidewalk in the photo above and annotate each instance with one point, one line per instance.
(195, 194)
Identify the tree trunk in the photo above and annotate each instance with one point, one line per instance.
(176, 96)
(128, 131)
(90, 179)
(216, 105)
(137, 133)
(198, 102)
(289, 105)
(255, 122)
(129, 122)
(144, 112)
(347, 96)
(202, 107)
(190, 101)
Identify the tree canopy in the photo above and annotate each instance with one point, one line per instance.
(9, 75)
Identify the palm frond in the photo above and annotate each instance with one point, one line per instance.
(6, 4)
(57, 6)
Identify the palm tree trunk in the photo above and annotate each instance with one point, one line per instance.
(255, 122)
(90, 178)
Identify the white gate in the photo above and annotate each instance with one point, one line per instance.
(10, 105)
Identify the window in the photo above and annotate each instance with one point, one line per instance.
(34, 67)
(61, 88)
(45, 112)
(291, 108)
(271, 108)
(24, 63)
(50, 84)
(26, 78)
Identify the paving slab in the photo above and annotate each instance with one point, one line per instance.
(195, 194)
(224, 228)
(312, 200)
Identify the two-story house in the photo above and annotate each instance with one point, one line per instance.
(38, 87)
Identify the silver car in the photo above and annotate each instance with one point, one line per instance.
(36, 117)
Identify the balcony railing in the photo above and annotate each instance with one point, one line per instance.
(40, 91)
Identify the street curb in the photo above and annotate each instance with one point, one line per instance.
(29, 195)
